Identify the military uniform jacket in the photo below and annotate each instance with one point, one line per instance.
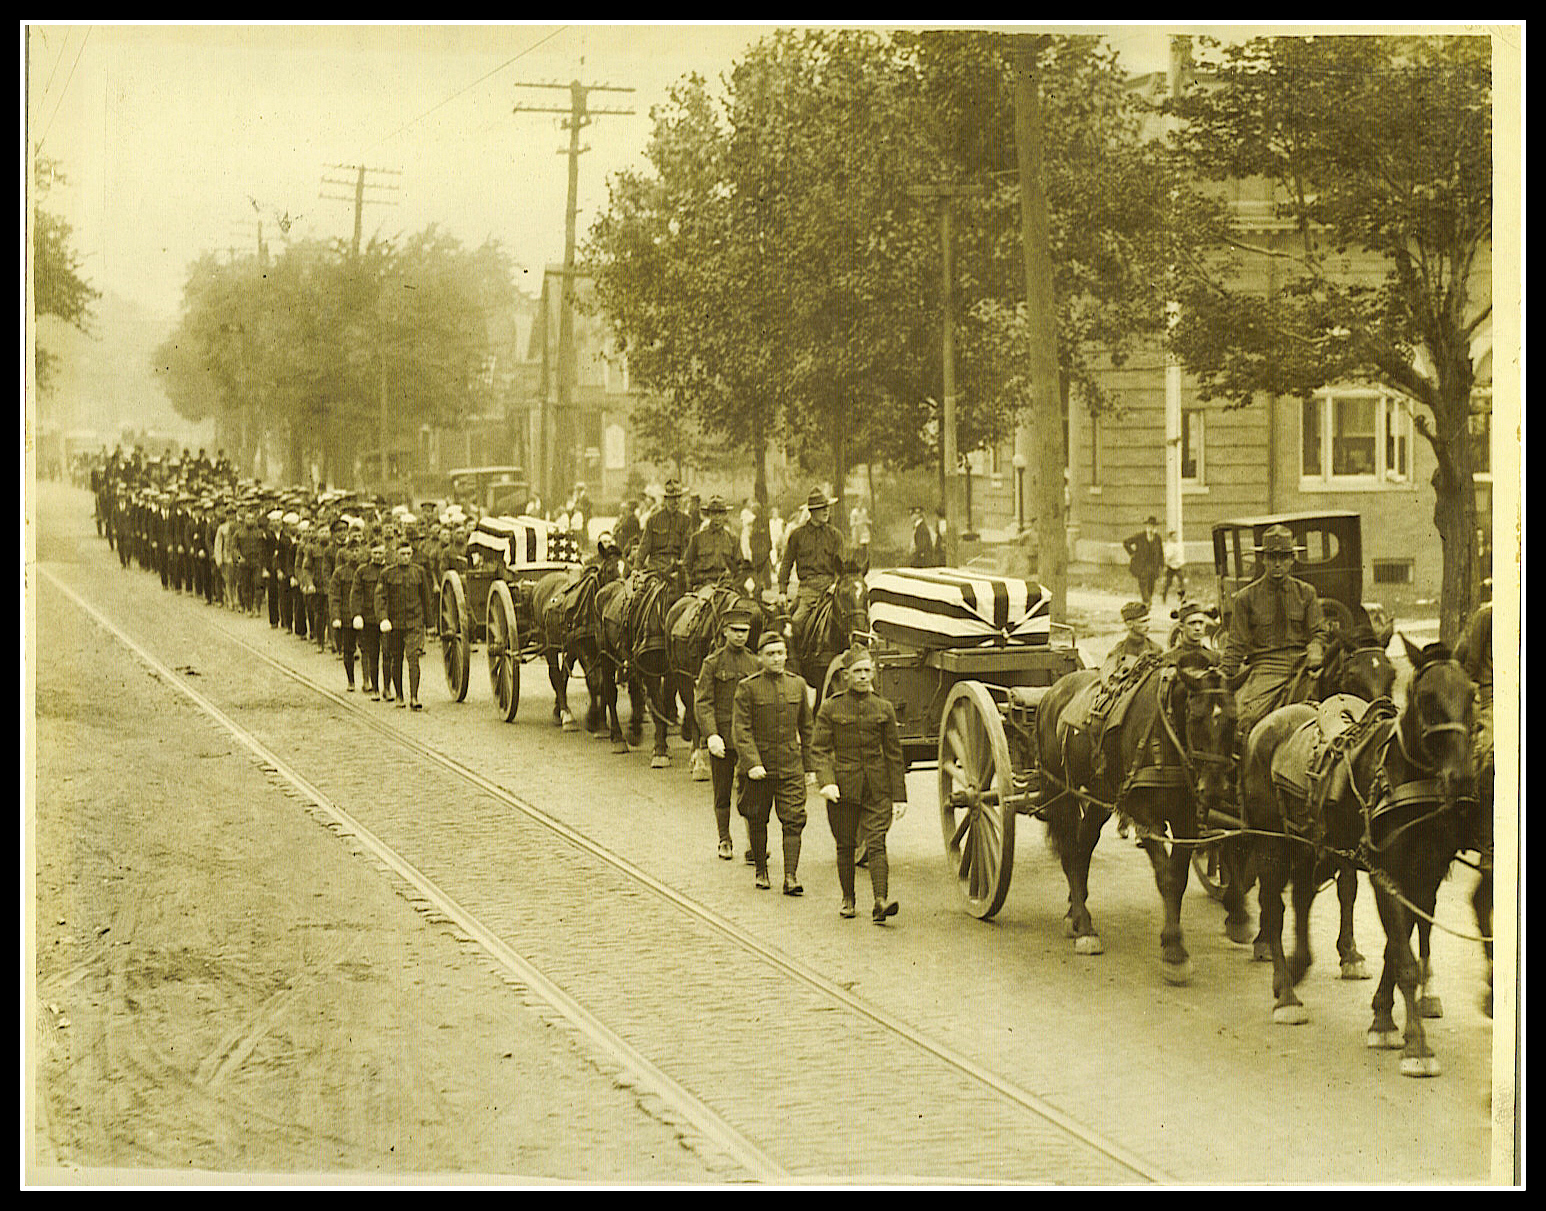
(402, 596)
(362, 598)
(663, 542)
(858, 748)
(247, 545)
(340, 588)
(1185, 647)
(714, 699)
(711, 555)
(1474, 651)
(1128, 651)
(1266, 621)
(817, 553)
(772, 724)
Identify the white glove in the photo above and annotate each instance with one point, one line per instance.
(756, 773)
(359, 623)
(829, 792)
(717, 745)
(265, 573)
(386, 625)
(898, 810)
(337, 622)
(810, 778)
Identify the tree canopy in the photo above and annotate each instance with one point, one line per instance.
(1379, 150)
(300, 346)
(59, 287)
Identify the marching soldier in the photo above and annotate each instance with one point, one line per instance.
(339, 590)
(772, 738)
(817, 552)
(863, 777)
(722, 671)
(1276, 623)
(367, 625)
(402, 604)
(712, 552)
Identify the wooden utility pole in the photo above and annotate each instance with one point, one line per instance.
(359, 186)
(559, 464)
(359, 199)
(950, 459)
(1047, 461)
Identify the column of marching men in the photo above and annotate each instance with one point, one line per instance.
(355, 578)
(361, 581)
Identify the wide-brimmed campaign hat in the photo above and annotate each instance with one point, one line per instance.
(716, 505)
(672, 490)
(1278, 540)
(817, 500)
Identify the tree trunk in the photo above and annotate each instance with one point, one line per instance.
(1047, 468)
(1454, 506)
(839, 453)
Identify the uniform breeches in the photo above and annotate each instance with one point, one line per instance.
(344, 637)
(1266, 688)
(853, 821)
(319, 627)
(246, 585)
(398, 643)
(783, 794)
(370, 656)
(726, 778)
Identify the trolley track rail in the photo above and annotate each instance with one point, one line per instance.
(707, 1122)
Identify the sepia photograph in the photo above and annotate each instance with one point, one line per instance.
(588, 605)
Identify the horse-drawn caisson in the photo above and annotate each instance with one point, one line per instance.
(514, 566)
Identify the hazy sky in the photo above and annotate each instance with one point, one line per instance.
(167, 133)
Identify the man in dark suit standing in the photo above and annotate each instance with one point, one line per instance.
(1146, 557)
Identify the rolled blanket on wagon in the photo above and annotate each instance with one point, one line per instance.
(950, 608)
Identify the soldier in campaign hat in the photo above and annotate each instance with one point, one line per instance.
(817, 552)
(712, 552)
(1276, 629)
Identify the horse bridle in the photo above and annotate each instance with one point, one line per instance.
(1415, 791)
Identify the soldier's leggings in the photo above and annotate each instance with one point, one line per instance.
(849, 821)
(246, 586)
(319, 627)
(344, 636)
(785, 795)
(271, 590)
(370, 656)
(725, 778)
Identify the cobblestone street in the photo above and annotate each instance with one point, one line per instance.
(224, 982)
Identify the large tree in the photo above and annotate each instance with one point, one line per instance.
(58, 285)
(1379, 148)
(301, 347)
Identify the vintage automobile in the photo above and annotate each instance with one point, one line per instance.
(1330, 560)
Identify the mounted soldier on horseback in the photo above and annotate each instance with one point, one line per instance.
(830, 604)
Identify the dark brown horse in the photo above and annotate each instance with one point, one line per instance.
(685, 652)
(1403, 801)
(839, 618)
(568, 614)
(1163, 766)
(1355, 665)
(634, 645)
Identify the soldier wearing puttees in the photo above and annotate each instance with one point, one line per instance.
(1276, 621)
(340, 587)
(712, 552)
(772, 739)
(362, 608)
(817, 552)
(722, 671)
(403, 603)
(863, 776)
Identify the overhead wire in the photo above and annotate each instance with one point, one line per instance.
(63, 92)
(468, 88)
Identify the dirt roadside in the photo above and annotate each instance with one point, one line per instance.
(223, 988)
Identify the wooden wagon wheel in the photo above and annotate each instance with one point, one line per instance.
(976, 780)
(455, 635)
(504, 651)
(1210, 870)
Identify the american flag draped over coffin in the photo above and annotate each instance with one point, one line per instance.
(520, 542)
(952, 607)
